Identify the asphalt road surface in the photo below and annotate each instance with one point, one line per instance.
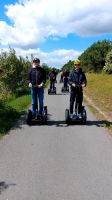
(56, 161)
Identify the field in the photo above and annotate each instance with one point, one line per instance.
(99, 90)
(11, 110)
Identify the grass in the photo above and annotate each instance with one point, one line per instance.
(47, 83)
(11, 110)
(101, 120)
(99, 90)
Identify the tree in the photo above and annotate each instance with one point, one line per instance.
(108, 64)
(68, 66)
(93, 58)
(15, 71)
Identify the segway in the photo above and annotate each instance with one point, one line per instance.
(52, 90)
(75, 118)
(39, 118)
(65, 87)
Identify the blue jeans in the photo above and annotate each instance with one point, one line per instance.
(37, 93)
(52, 84)
(65, 82)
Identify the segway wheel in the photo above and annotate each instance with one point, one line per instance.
(44, 115)
(67, 118)
(29, 117)
(84, 116)
(45, 110)
(44, 118)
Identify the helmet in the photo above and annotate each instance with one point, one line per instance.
(77, 62)
(37, 60)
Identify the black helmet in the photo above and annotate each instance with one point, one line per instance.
(37, 60)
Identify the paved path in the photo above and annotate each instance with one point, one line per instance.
(56, 161)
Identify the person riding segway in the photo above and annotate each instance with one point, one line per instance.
(65, 87)
(61, 77)
(52, 78)
(77, 81)
(37, 79)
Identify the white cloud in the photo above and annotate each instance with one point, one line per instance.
(60, 57)
(55, 58)
(35, 20)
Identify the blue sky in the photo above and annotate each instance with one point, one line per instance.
(72, 41)
(3, 9)
(53, 30)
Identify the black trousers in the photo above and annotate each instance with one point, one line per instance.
(76, 96)
(65, 82)
(52, 84)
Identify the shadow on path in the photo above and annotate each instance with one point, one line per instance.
(4, 186)
(57, 123)
(62, 123)
(100, 123)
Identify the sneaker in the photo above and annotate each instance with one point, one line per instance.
(79, 115)
(71, 115)
(40, 115)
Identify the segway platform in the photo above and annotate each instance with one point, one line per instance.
(52, 91)
(38, 119)
(65, 89)
(75, 118)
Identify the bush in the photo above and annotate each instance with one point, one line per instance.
(13, 71)
(108, 69)
(108, 65)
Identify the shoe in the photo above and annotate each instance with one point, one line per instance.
(79, 115)
(40, 116)
(71, 115)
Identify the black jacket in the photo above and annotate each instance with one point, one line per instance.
(52, 75)
(37, 76)
(78, 78)
(66, 74)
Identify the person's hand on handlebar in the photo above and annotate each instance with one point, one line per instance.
(76, 85)
(41, 85)
(83, 85)
(30, 85)
(73, 85)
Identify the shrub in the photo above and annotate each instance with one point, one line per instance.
(108, 65)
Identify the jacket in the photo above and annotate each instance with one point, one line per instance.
(77, 77)
(52, 75)
(37, 75)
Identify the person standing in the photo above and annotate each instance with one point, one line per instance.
(52, 78)
(77, 81)
(37, 80)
